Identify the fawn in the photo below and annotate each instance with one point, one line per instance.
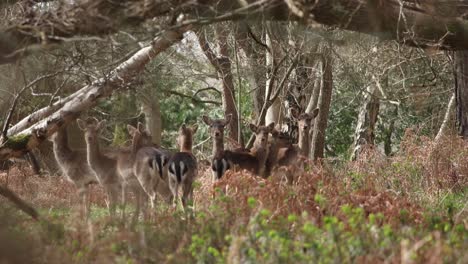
(74, 165)
(289, 155)
(182, 167)
(253, 161)
(219, 164)
(103, 166)
(150, 169)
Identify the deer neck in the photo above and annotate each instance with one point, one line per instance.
(261, 153)
(60, 145)
(273, 151)
(186, 146)
(304, 143)
(218, 146)
(95, 156)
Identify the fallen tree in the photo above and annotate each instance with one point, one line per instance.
(433, 24)
(52, 118)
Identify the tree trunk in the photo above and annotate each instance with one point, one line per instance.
(321, 122)
(152, 111)
(255, 61)
(273, 111)
(443, 127)
(222, 65)
(364, 134)
(461, 90)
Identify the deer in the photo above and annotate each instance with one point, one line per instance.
(151, 171)
(278, 140)
(74, 166)
(125, 167)
(219, 164)
(183, 167)
(288, 155)
(254, 160)
(103, 166)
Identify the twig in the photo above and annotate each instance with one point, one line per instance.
(18, 202)
(15, 102)
(269, 100)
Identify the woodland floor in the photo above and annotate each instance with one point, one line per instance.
(411, 208)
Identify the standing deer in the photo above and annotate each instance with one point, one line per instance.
(277, 141)
(219, 164)
(183, 168)
(74, 166)
(125, 163)
(150, 168)
(103, 166)
(253, 161)
(289, 155)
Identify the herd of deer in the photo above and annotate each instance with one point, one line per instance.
(149, 171)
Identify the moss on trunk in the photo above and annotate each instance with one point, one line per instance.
(18, 142)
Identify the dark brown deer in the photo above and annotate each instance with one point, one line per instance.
(288, 155)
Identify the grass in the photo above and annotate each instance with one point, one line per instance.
(411, 208)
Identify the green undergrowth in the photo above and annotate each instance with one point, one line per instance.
(410, 208)
(216, 235)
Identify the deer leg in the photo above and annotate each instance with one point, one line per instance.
(83, 193)
(113, 196)
(173, 185)
(186, 193)
(124, 200)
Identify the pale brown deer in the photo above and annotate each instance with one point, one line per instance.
(74, 166)
(183, 167)
(125, 163)
(255, 160)
(104, 167)
(219, 165)
(150, 168)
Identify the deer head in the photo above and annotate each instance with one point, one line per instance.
(91, 127)
(185, 138)
(261, 134)
(140, 136)
(217, 125)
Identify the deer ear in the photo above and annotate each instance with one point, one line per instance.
(131, 130)
(101, 124)
(81, 124)
(253, 127)
(227, 119)
(141, 127)
(183, 126)
(194, 129)
(271, 126)
(314, 113)
(207, 120)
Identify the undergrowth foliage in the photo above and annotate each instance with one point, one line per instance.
(404, 209)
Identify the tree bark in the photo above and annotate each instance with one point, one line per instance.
(255, 60)
(461, 90)
(273, 110)
(445, 122)
(222, 65)
(364, 134)
(153, 121)
(321, 122)
(87, 97)
(437, 24)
